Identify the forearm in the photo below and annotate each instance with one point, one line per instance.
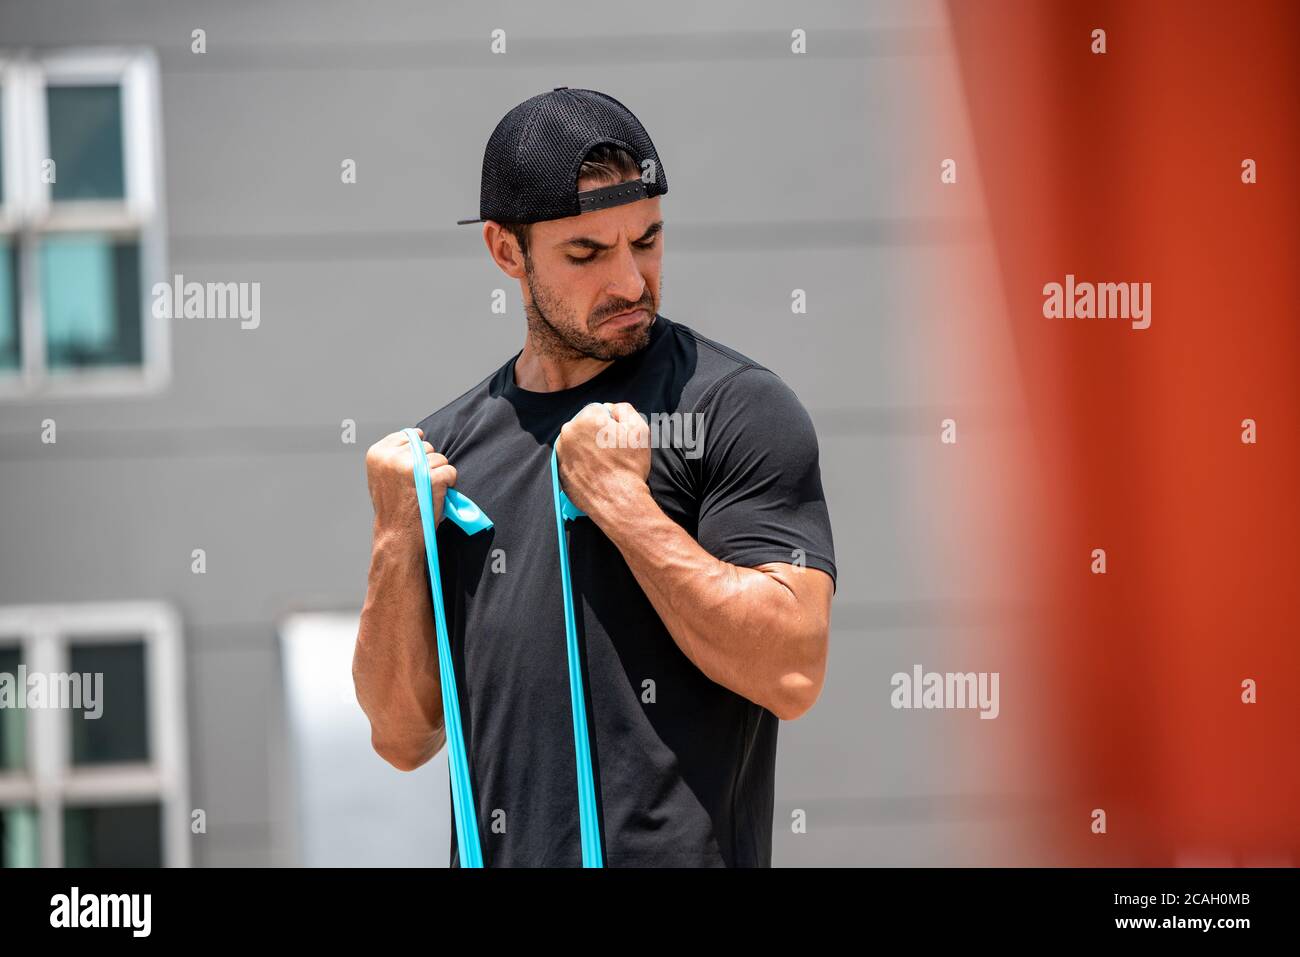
(743, 628)
(395, 665)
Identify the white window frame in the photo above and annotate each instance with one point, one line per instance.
(28, 213)
(10, 79)
(50, 783)
(11, 82)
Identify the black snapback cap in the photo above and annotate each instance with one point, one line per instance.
(530, 166)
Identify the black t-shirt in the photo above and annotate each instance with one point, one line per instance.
(684, 768)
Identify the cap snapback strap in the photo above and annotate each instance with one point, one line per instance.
(615, 195)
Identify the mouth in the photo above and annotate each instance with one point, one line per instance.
(624, 319)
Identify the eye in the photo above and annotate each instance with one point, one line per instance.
(648, 244)
(582, 259)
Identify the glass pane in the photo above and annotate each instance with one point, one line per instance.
(120, 733)
(86, 142)
(120, 835)
(19, 837)
(9, 353)
(90, 288)
(13, 720)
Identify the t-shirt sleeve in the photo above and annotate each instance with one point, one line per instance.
(759, 476)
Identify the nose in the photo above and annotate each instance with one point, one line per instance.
(626, 282)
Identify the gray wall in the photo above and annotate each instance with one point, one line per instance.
(816, 172)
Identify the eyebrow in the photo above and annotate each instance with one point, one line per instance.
(586, 242)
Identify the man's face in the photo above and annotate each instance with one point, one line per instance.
(591, 282)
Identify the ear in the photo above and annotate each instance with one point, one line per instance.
(504, 250)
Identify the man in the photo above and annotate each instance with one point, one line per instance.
(702, 575)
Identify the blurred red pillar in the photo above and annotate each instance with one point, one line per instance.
(1127, 167)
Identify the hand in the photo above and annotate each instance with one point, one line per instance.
(390, 471)
(604, 456)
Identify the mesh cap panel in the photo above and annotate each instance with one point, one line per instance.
(531, 163)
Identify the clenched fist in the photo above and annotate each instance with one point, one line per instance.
(604, 456)
(390, 465)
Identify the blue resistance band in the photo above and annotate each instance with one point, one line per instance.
(565, 510)
(470, 517)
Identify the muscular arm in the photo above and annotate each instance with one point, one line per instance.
(395, 663)
(395, 666)
(762, 632)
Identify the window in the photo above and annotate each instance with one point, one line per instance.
(101, 782)
(81, 224)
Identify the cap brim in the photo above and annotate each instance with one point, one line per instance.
(463, 222)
